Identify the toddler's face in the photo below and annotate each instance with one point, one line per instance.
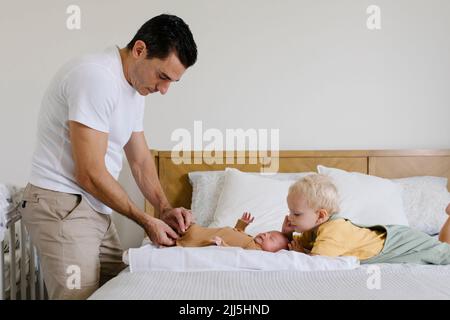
(301, 216)
(272, 241)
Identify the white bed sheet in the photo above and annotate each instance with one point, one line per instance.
(397, 281)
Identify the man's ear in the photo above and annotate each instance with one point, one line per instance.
(139, 49)
(322, 215)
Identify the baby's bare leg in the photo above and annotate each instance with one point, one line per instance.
(444, 235)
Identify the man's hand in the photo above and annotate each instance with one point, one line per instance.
(178, 218)
(247, 217)
(159, 232)
(287, 227)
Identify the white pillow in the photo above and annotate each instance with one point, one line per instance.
(425, 199)
(207, 187)
(367, 200)
(263, 197)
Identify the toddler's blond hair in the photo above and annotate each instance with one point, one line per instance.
(319, 192)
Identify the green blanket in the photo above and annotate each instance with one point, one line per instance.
(406, 245)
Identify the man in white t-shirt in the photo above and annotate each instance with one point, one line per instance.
(92, 110)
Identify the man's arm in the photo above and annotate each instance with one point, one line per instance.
(144, 172)
(89, 147)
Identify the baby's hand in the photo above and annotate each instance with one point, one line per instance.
(247, 217)
(448, 209)
(218, 241)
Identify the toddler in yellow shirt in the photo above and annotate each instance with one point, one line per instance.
(313, 204)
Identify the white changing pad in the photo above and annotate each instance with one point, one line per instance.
(151, 258)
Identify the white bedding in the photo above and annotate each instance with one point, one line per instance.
(396, 282)
(340, 281)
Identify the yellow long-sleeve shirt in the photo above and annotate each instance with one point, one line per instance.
(339, 237)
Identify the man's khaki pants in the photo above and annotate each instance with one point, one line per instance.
(79, 248)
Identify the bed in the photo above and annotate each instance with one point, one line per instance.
(397, 282)
(380, 281)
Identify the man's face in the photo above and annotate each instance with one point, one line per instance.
(272, 241)
(153, 75)
(301, 216)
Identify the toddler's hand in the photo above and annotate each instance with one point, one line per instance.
(296, 246)
(287, 228)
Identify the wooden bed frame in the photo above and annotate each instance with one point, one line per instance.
(382, 163)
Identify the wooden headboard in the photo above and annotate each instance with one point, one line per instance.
(382, 163)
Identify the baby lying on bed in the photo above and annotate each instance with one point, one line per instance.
(313, 202)
(198, 236)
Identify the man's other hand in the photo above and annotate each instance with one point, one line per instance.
(178, 218)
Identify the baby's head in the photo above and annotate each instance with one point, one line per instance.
(312, 201)
(272, 241)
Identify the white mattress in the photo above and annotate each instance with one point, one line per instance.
(396, 281)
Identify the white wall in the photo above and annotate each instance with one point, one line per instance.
(310, 68)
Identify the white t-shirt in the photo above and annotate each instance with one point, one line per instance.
(91, 90)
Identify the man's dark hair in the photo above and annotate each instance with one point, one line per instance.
(165, 34)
